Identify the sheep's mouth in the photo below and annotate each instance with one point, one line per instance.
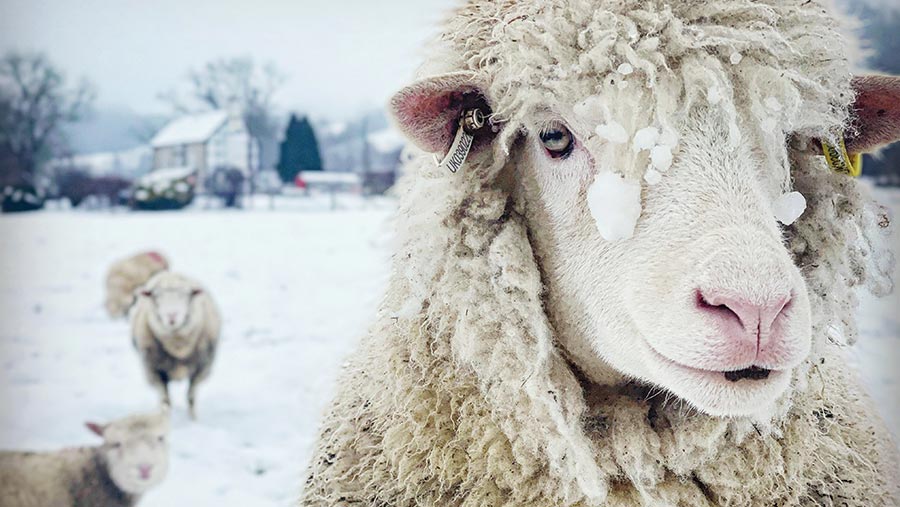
(751, 373)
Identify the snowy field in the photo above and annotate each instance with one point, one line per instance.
(296, 287)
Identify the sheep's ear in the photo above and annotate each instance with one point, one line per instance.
(95, 428)
(158, 257)
(428, 111)
(876, 113)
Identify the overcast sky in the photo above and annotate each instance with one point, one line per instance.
(340, 56)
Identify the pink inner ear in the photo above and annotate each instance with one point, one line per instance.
(158, 258)
(877, 113)
(427, 112)
(95, 428)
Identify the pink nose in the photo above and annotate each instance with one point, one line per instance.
(144, 471)
(749, 327)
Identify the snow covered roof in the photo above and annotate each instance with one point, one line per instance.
(194, 128)
(386, 140)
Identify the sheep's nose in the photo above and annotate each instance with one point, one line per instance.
(742, 320)
(144, 471)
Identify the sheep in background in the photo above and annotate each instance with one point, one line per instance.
(599, 306)
(175, 329)
(132, 459)
(126, 275)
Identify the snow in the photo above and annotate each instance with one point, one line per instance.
(652, 176)
(714, 95)
(166, 175)
(190, 129)
(625, 69)
(735, 58)
(661, 157)
(645, 138)
(615, 204)
(297, 287)
(612, 132)
(789, 207)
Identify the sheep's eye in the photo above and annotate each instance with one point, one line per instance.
(557, 140)
(116, 445)
(160, 439)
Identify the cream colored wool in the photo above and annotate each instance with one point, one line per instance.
(126, 275)
(461, 396)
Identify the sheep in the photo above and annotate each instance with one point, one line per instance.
(175, 329)
(132, 460)
(126, 275)
(538, 345)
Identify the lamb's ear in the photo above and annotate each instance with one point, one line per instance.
(428, 111)
(95, 428)
(876, 113)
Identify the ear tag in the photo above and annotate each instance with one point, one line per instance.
(840, 161)
(470, 121)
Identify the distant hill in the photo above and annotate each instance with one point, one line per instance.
(111, 129)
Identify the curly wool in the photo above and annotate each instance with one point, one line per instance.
(459, 395)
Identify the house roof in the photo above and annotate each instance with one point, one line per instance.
(386, 140)
(194, 128)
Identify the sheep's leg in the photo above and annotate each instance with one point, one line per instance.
(192, 391)
(161, 383)
(199, 375)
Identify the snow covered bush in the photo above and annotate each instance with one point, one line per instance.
(620, 298)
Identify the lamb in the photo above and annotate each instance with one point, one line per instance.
(175, 329)
(126, 275)
(537, 346)
(132, 460)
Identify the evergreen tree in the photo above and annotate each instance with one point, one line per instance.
(299, 150)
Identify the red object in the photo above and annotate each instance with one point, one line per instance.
(299, 183)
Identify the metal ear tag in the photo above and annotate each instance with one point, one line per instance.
(470, 121)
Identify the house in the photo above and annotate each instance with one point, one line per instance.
(206, 142)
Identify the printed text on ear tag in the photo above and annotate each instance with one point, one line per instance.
(840, 161)
(469, 122)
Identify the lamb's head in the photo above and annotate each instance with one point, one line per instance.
(173, 297)
(135, 450)
(650, 148)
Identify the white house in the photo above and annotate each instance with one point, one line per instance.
(206, 142)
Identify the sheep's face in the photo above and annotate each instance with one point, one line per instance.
(171, 306)
(136, 450)
(703, 300)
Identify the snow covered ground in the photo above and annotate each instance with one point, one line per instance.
(296, 286)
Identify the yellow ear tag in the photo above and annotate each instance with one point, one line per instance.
(840, 161)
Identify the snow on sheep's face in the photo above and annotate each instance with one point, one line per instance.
(703, 299)
(692, 290)
(136, 450)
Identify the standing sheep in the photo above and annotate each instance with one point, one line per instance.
(592, 302)
(175, 329)
(126, 275)
(133, 458)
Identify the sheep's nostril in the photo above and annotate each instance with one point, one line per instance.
(144, 471)
(721, 310)
(756, 319)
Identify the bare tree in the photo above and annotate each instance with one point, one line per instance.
(34, 104)
(235, 81)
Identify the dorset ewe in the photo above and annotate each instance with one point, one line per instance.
(175, 329)
(598, 307)
(126, 275)
(132, 459)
